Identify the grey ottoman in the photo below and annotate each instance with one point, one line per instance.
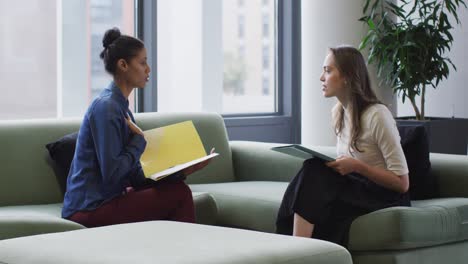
(168, 242)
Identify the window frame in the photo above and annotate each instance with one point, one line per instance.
(284, 125)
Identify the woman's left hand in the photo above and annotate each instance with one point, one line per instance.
(344, 165)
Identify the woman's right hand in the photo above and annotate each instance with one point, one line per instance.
(344, 165)
(197, 166)
(133, 127)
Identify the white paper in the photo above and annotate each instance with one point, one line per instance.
(172, 170)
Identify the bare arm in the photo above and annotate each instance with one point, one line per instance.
(383, 177)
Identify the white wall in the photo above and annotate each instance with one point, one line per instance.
(451, 96)
(326, 24)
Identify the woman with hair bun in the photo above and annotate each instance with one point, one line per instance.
(106, 184)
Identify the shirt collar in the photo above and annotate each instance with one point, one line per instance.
(346, 109)
(117, 94)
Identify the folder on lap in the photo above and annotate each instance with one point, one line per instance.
(302, 152)
(172, 148)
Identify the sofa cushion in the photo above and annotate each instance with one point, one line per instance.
(427, 223)
(62, 151)
(169, 242)
(251, 205)
(415, 144)
(27, 220)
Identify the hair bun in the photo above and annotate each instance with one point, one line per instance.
(110, 36)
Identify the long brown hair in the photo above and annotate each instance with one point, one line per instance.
(351, 65)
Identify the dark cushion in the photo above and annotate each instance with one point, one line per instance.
(415, 144)
(62, 152)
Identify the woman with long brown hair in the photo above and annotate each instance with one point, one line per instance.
(370, 172)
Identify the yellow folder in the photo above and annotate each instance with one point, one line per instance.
(172, 148)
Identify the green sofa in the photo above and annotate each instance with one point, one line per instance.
(241, 188)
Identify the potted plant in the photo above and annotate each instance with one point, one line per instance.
(408, 42)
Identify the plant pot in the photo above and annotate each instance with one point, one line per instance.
(446, 135)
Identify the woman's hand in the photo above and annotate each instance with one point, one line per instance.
(197, 166)
(133, 127)
(344, 165)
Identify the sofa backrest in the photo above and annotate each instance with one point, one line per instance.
(451, 172)
(26, 170)
(26, 174)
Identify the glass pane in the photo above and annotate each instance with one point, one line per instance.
(220, 55)
(50, 64)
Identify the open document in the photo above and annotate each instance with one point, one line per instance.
(172, 148)
(302, 152)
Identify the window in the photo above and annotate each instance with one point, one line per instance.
(265, 86)
(213, 54)
(265, 58)
(50, 63)
(266, 26)
(241, 26)
(241, 51)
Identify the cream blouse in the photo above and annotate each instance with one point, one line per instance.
(379, 140)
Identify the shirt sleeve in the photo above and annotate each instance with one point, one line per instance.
(387, 137)
(117, 158)
(138, 179)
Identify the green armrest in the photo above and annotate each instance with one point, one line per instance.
(255, 161)
(426, 223)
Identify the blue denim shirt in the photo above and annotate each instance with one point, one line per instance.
(107, 155)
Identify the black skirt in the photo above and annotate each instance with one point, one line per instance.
(332, 201)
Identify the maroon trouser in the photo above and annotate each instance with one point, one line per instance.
(165, 201)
